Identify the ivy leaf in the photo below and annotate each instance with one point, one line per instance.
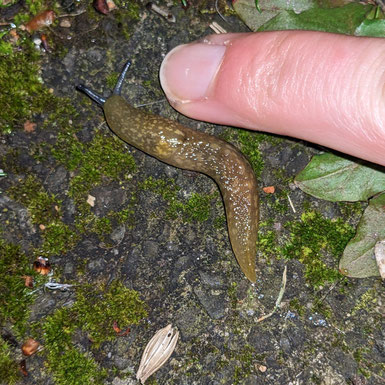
(312, 15)
(358, 259)
(344, 19)
(374, 28)
(335, 179)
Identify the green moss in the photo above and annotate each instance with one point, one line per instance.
(365, 302)
(58, 238)
(75, 367)
(43, 207)
(112, 79)
(167, 188)
(313, 236)
(131, 8)
(297, 306)
(94, 313)
(32, 7)
(15, 297)
(105, 156)
(67, 364)
(97, 308)
(23, 94)
(267, 241)
(196, 208)
(250, 143)
(351, 209)
(9, 369)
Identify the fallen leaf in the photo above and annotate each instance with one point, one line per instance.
(91, 200)
(23, 368)
(111, 5)
(358, 259)
(65, 23)
(335, 179)
(42, 266)
(28, 281)
(262, 368)
(30, 347)
(119, 331)
(116, 328)
(101, 6)
(157, 352)
(269, 189)
(40, 21)
(29, 126)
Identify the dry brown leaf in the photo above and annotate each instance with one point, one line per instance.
(28, 281)
(30, 347)
(43, 19)
(269, 189)
(29, 126)
(101, 6)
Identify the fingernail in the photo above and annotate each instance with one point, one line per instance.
(188, 71)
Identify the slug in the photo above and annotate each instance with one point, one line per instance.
(189, 149)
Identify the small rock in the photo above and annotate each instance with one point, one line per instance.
(65, 23)
(215, 305)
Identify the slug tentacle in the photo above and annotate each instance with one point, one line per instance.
(189, 149)
(118, 87)
(93, 95)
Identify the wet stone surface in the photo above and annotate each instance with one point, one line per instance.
(143, 231)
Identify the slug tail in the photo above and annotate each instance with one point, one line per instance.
(93, 95)
(119, 84)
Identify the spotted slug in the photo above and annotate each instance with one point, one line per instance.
(189, 149)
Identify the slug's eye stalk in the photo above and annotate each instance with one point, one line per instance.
(118, 87)
(117, 90)
(93, 95)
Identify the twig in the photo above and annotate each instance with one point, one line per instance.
(217, 28)
(291, 203)
(280, 296)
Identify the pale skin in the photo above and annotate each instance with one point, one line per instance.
(324, 88)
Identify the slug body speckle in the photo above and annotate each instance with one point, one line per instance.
(189, 149)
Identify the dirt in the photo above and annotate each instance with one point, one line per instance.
(185, 270)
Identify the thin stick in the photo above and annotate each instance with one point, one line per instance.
(279, 298)
(291, 204)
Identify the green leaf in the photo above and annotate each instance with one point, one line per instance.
(253, 18)
(374, 28)
(334, 179)
(338, 20)
(313, 15)
(358, 258)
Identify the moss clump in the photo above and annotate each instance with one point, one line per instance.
(311, 237)
(15, 297)
(112, 79)
(104, 156)
(23, 94)
(67, 364)
(365, 302)
(58, 238)
(94, 313)
(267, 242)
(250, 143)
(196, 208)
(44, 208)
(9, 370)
(97, 309)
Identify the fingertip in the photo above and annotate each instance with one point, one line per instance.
(188, 71)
